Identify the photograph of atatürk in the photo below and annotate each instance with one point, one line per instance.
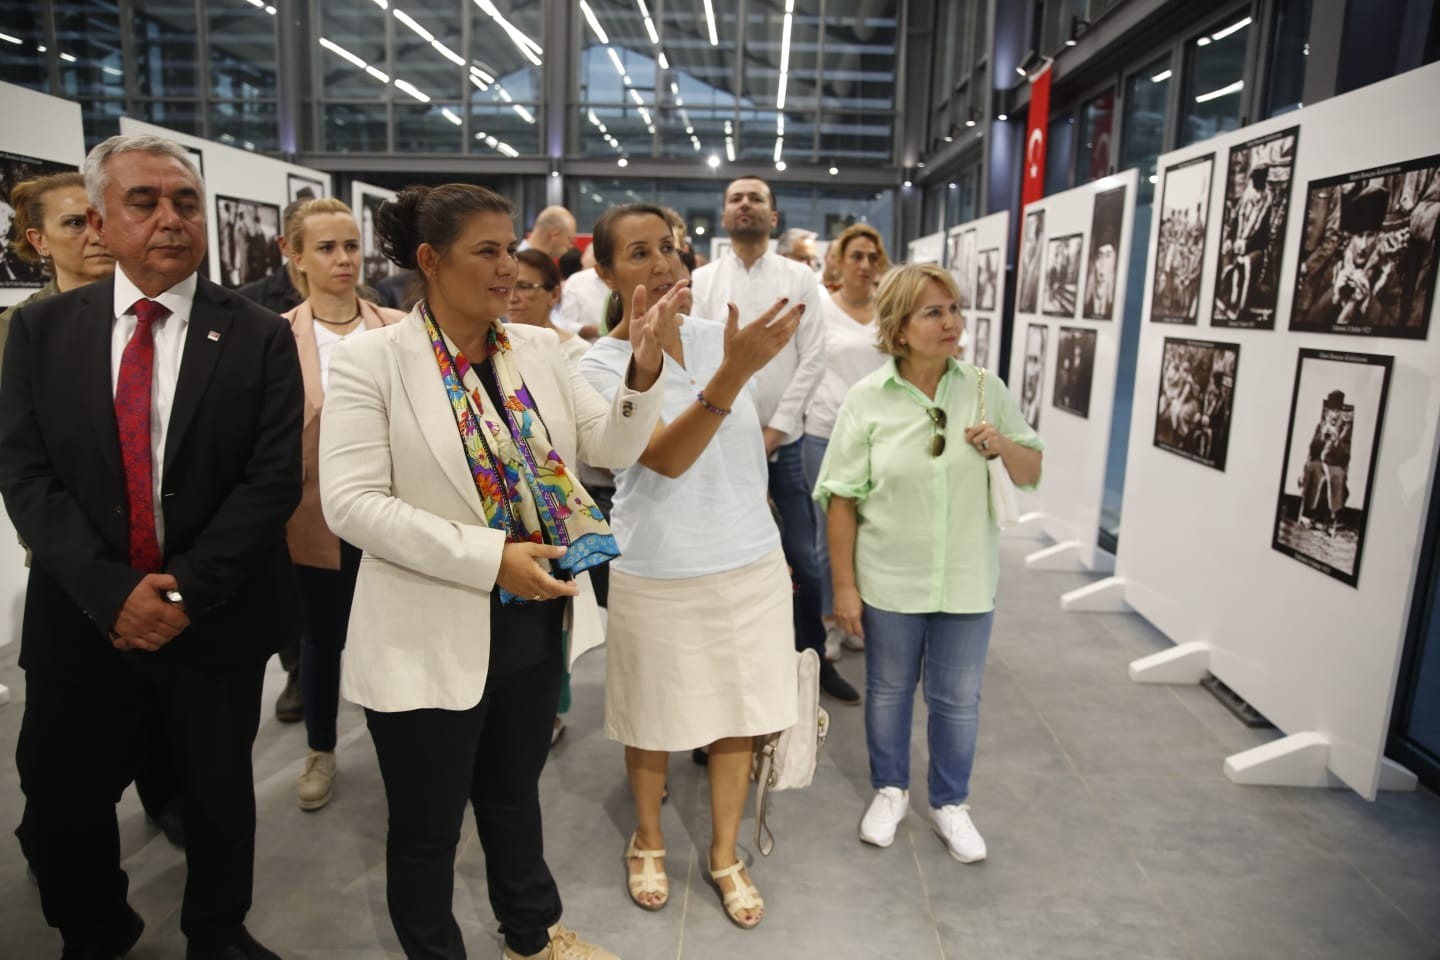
(1252, 231)
(1367, 253)
(1336, 415)
(965, 271)
(1197, 396)
(303, 188)
(1032, 379)
(1180, 250)
(246, 230)
(1062, 275)
(1027, 297)
(15, 169)
(1106, 221)
(987, 278)
(980, 340)
(1074, 370)
(376, 267)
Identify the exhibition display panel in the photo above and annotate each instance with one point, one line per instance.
(975, 257)
(1065, 353)
(1280, 463)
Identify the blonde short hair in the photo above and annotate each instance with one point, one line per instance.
(900, 291)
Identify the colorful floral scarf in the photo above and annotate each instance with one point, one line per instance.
(525, 488)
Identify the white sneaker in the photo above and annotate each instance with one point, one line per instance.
(317, 781)
(955, 827)
(851, 642)
(886, 811)
(834, 636)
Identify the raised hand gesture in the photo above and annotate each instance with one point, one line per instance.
(651, 327)
(750, 347)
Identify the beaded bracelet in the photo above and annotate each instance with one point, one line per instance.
(718, 411)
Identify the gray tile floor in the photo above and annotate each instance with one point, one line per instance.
(1112, 833)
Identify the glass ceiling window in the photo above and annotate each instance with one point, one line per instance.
(791, 83)
(461, 76)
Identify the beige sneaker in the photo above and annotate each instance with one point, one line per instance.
(317, 780)
(564, 945)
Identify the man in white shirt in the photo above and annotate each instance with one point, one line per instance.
(751, 277)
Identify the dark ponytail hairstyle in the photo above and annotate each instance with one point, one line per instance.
(433, 215)
(603, 241)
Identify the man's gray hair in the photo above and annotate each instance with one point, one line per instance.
(97, 176)
(792, 238)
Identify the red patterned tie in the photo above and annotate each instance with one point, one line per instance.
(132, 415)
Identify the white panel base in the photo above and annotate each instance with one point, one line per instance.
(4, 694)
(1396, 778)
(1102, 596)
(1026, 528)
(1299, 760)
(1063, 557)
(1185, 663)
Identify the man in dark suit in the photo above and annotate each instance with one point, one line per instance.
(150, 456)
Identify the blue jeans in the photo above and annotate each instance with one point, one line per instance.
(812, 454)
(951, 648)
(797, 538)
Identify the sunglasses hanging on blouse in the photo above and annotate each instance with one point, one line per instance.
(937, 439)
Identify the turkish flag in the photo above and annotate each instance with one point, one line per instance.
(1037, 134)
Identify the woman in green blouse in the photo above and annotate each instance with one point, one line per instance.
(914, 554)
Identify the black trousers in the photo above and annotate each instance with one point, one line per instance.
(83, 740)
(327, 595)
(435, 761)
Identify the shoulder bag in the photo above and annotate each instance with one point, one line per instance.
(1004, 507)
(786, 760)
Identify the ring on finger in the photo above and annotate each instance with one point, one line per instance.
(984, 444)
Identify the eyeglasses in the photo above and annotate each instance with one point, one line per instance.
(937, 440)
(525, 286)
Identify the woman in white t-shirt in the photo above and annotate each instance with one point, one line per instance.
(324, 247)
(851, 352)
(700, 634)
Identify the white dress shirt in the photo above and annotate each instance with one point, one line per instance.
(784, 386)
(169, 336)
(582, 301)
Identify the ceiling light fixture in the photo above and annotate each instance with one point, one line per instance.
(1079, 26)
(1224, 91)
(590, 18)
(1235, 27)
(710, 23)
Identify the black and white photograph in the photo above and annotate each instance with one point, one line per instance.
(197, 157)
(952, 250)
(964, 269)
(1062, 275)
(987, 278)
(15, 169)
(1367, 253)
(303, 188)
(1197, 397)
(1180, 253)
(1101, 272)
(246, 230)
(980, 341)
(1252, 231)
(1032, 253)
(1032, 380)
(376, 267)
(1336, 415)
(1074, 370)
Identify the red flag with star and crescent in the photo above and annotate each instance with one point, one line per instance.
(1037, 135)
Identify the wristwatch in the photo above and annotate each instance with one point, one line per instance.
(175, 597)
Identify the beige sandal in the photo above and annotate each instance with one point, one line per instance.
(745, 896)
(650, 879)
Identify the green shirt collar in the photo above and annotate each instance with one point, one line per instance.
(953, 368)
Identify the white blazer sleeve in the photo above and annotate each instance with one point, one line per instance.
(355, 487)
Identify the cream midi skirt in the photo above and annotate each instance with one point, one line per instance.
(691, 661)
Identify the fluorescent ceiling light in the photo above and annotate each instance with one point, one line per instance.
(675, 88)
(478, 82)
(447, 53)
(9, 39)
(383, 4)
(476, 71)
(780, 165)
(635, 95)
(1161, 77)
(714, 162)
(730, 149)
(650, 29)
(780, 93)
(522, 113)
(68, 57)
(528, 47)
(622, 162)
(270, 10)
(113, 72)
(785, 43)
(377, 74)
(779, 147)
(451, 115)
(645, 115)
(615, 59)
(710, 22)
(1225, 91)
(1235, 27)
(1203, 42)
(663, 60)
(595, 27)
(410, 22)
(413, 90)
(341, 52)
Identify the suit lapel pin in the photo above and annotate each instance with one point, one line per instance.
(213, 336)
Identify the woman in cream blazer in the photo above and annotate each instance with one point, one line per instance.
(464, 591)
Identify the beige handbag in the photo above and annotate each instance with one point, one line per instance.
(1004, 507)
(787, 760)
